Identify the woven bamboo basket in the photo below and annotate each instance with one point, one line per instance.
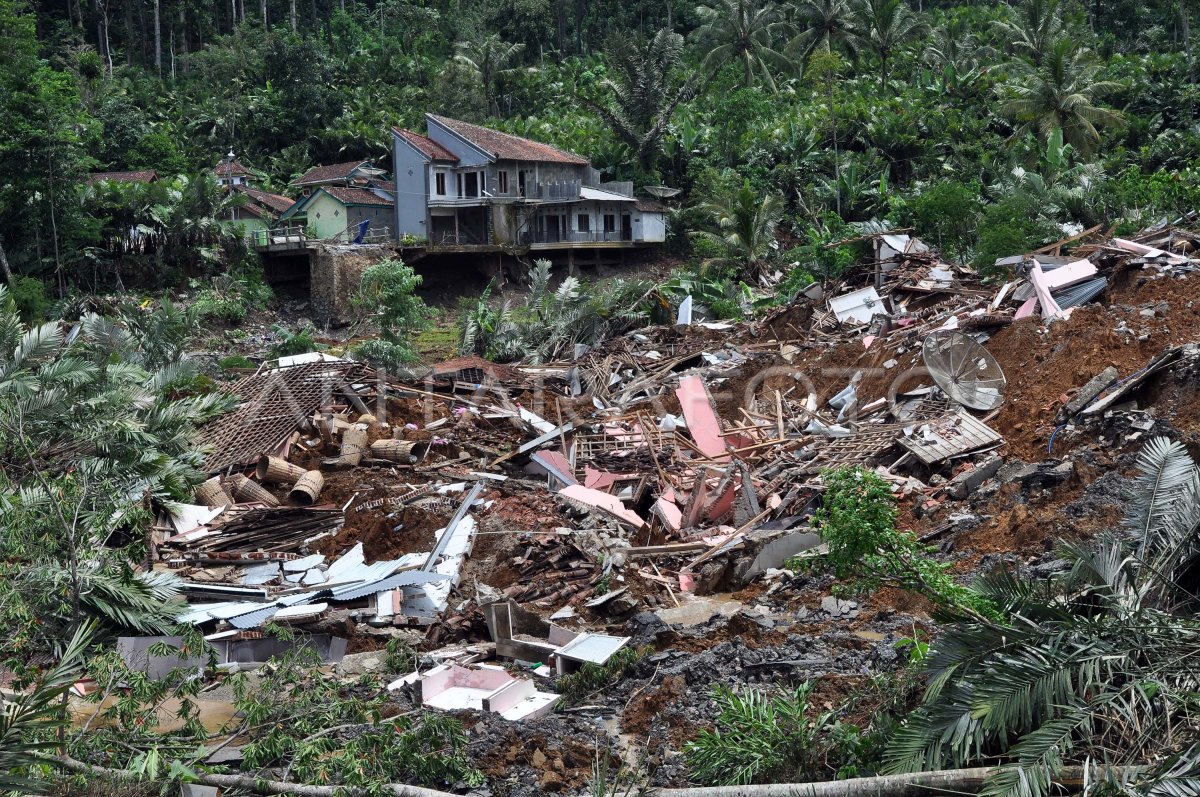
(277, 471)
(404, 452)
(247, 490)
(211, 494)
(305, 491)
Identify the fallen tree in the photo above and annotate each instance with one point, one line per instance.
(908, 785)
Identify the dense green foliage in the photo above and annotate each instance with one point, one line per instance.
(834, 111)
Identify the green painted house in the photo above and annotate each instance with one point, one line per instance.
(336, 211)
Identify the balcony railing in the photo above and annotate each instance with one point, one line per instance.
(571, 237)
(564, 190)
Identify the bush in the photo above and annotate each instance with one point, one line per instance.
(388, 291)
(236, 361)
(759, 739)
(1009, 227)
(592, 678)
(29, 296)
(857, 520)
(298, 342)
(232, 294)
(947, 215)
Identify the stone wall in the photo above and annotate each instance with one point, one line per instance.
(334, 273)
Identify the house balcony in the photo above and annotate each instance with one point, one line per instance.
(444, 201)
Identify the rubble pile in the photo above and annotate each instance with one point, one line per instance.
(655, 491)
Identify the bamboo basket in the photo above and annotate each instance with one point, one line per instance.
(247, 490)
(277, 471)
(306, 490)
(404, 452)
(212, 494)
(354, 445)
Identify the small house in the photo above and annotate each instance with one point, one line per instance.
(338, 212)
(361, 174)
(144, 176)
(259, 213)
(231, 173)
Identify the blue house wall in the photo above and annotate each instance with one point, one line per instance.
(412, 188)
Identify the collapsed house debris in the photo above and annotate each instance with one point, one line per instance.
(517, 523)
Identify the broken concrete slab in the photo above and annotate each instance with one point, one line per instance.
(1095, 386)
(971, 480)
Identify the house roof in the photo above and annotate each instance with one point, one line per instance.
(356, 196)
(331, 173)
(145, 176)
(426, 145)
(273, 202)
(503, 146)
(230, 167)
(650, 206)
(586, 192)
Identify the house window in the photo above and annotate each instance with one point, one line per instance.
(440, 181)
(472, 184)
(585, 222)
(502, 182)
(610, 222)
(458, 182)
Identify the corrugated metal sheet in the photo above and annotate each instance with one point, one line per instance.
(413, 578)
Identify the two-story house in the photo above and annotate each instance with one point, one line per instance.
(465, 187)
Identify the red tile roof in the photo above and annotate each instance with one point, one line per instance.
(329, 174)
(230, 168)
(503, 146)
(271, 201)
(356, 196)
(426, 145)
(146, 176)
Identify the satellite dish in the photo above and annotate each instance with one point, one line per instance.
(964, 370)
(661, 191)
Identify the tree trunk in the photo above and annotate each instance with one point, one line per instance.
(8, 275)
(293, 16)
(580, 15)
(263, 8)
(129, 37)
(560, 41)
(916, 784)
(158, 38)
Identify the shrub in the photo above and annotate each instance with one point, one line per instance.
(591, 678)
(947, 214)
(388, 291)
(857, 520)
(1009, 227)
(29, 296)
(299, 341)
(759, 739)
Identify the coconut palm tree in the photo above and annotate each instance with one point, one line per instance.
(746, 31)
(643, 90)
(1033, 31)
(826, 25)
(1061, 94)
(743, 228)
(489, 58)
(883, 27)
(1093, 664)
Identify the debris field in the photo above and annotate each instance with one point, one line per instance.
(652, 498)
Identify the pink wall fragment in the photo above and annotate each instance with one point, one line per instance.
(702, 421)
